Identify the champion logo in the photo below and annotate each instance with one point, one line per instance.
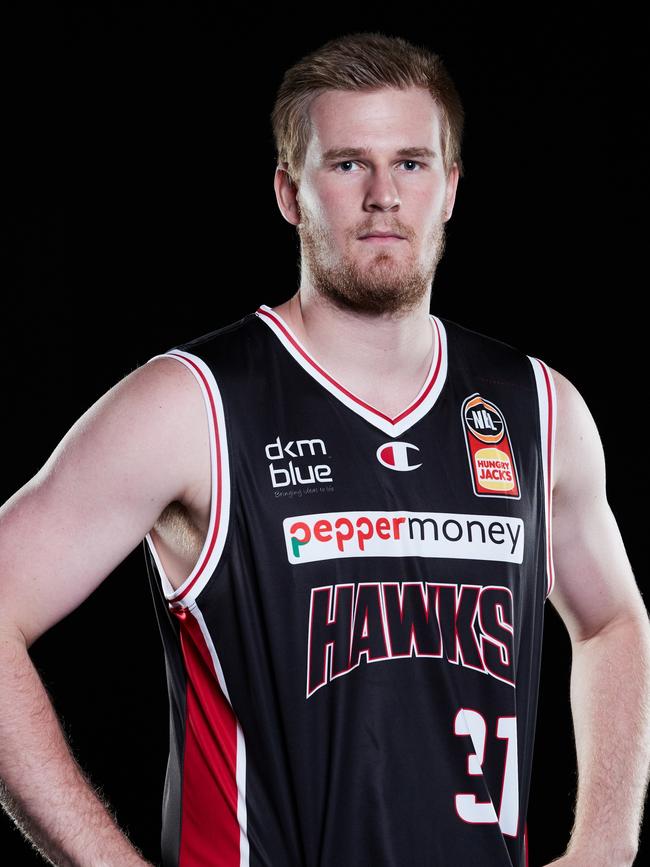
(395, 456)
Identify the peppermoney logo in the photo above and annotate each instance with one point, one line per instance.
(331, 535)
(302, 473)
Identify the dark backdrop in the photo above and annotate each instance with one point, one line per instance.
(138, 212)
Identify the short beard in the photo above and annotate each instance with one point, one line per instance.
(383, 287)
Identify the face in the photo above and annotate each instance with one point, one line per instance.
(374, 164)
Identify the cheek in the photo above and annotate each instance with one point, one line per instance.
(340, 196)
(332, 211)
(430, 205)
(426, 198)
(333, 222)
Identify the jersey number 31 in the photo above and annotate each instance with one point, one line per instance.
(469, 808)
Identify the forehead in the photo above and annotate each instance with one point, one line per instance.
(386, 118)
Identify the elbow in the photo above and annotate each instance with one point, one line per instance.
(635, 620)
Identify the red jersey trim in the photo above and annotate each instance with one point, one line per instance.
(206, 552)
(549, 476)
(220, 487)
(431, 376)
(547, 403)
(263, 311)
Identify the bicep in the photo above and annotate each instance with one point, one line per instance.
(96, 497)
(594, 583)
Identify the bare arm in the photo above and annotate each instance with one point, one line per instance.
(596, 595)
(42, 787)
(102, 489)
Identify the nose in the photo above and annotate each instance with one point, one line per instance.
(382, 192)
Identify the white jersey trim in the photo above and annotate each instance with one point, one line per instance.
(547, 399)
(219, 488)
(418, 407)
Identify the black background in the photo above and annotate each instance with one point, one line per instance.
(138, 212)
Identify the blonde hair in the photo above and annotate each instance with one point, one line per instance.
(357, 62)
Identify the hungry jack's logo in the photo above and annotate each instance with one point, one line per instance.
(491, 459)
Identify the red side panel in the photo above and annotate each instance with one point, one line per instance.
(209, 825)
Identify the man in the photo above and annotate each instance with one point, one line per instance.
(346, 506)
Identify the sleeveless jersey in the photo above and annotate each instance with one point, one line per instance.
(353, 662)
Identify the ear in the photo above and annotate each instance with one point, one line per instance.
(452, 185)
(286, 194)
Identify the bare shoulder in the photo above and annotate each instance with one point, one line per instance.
(579, 457)
(183, 399)
(168, 397)
(164, 372)
(594, 584)
(158, 407)
(141, 446)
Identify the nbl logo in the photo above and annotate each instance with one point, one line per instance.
(484, 420)
(489, 449)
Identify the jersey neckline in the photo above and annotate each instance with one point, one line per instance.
(419, 406)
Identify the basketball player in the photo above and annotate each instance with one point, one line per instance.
(353, 512)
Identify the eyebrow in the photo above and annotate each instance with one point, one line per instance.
(339, 153)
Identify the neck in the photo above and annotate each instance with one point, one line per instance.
(382, 356)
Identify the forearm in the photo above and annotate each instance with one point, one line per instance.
(610, 701)
(41, 785)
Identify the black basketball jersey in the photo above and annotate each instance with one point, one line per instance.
(353, 662)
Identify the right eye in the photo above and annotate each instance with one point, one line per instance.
(345, 163)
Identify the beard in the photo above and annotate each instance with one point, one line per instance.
(386, 283)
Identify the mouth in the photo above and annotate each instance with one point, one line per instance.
(381, 237)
